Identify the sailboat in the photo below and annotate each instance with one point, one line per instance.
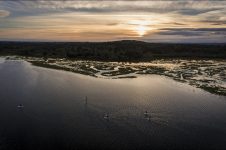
(20, 106)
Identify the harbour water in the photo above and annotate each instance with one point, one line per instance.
(147, 112)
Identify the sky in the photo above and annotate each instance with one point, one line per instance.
(177, 21)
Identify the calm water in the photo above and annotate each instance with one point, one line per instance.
(55, 115)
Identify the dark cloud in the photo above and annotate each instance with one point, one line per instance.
(192, 11)
(175, 23)
(91, 10)
(181, 33)
(192, 31)
(180, 7)
(141, 8)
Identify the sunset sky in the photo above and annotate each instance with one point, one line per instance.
(151, 21)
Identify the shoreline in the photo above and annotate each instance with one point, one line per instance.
(208, 75)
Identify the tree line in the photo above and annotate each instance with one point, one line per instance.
(113, 51)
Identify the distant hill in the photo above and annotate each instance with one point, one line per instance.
(113, 51)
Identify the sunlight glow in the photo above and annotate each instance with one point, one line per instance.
(55, 20)
(140, 26)
(141, 30)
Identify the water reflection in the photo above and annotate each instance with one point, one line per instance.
(55, 117)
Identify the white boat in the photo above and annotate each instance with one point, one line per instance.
(106, 116)
(20, 106)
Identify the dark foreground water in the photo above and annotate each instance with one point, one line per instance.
(55, 115)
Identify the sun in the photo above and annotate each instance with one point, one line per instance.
(141, 30)
(140, 27)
